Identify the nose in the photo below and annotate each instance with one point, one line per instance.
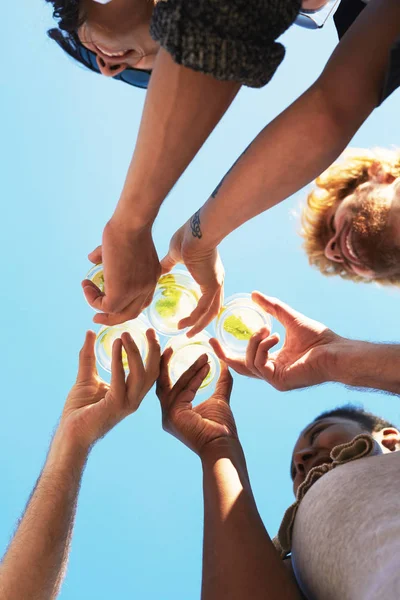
(332, 251)
(108, 67)
(300, 460)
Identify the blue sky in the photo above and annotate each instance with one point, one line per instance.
(67, 139)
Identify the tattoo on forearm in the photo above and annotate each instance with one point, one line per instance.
(215, 192)
(195, 225)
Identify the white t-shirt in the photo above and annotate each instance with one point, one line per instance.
(346, 536)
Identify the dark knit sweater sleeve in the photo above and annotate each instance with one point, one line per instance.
(228, 39)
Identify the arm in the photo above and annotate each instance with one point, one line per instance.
(239, 559)
(36, 560)
(182, 108)
(313, 354)
(307, 137)
(291, 151)
(366, 365)
(35, 563)
(173, 128)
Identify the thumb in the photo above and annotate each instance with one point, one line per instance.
(281, 311)
(167, 264)
(96, 256)
(87, 360)
(224, 385)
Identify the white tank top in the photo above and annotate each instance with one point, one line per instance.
(346, 536)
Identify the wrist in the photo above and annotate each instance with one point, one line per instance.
(197, 236)
(68, 449)
(220, 448)
(223, 459)
(132, 215)
(350, 362)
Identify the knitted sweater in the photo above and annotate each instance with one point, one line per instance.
(228, 39)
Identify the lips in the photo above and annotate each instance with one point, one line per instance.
(347, 249)
(113, 55)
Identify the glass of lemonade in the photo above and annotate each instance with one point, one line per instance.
(96, 275)
(175, 297)
(108, 334)
(186, 352)
(237, 321)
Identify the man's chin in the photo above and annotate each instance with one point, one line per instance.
(363, 272)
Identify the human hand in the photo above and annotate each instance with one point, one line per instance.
(93, 407)
(305, 358)
(206, 268)
(131, 271)
(195, 426)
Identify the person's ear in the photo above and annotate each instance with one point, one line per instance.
(378, 174)
(390, 438)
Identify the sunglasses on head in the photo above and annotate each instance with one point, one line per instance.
(137, 77)
(316, 19)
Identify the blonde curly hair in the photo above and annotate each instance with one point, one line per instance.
(335, 184)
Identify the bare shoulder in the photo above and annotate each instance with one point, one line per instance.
(288, 565)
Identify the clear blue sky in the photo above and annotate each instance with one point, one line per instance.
(67, 138)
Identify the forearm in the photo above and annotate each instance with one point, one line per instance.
(289, 153)
(308, 136)
(366, 365)
(239, 559)
(35, 562)
(181, 110)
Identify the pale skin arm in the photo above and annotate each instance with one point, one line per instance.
(35, 563)
(182, 108)
(36, 560)
(239, 559)
(313, 354)
(366, 365)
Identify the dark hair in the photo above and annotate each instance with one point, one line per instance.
(67, 13)
(70, 43)
(69, 18)
(369, 421)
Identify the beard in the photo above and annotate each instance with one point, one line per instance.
(374, 241)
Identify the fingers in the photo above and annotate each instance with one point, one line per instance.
(210, 310)
(117, 384)
(265, 368)
(237, 364)
(224, 385)
(130, 312)
(218, 349)
(167, 264)
(96, 256)
(187, 394)
(163, 385)
(252, 346)
(87, 360)
(153, 358)
(92, 293)
(186, 377)
(135, 363)
(281, 311)
(206, 310)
